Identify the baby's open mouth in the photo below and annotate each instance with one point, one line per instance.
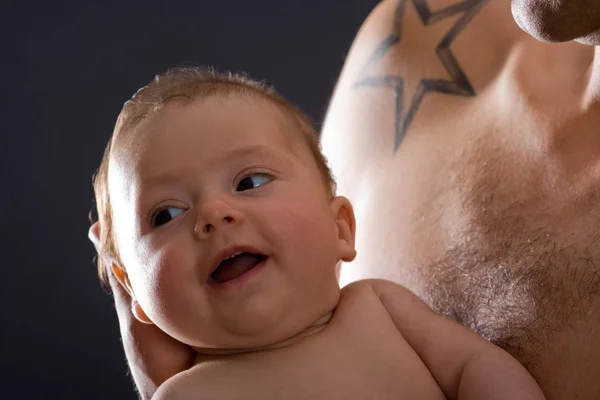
(235, 267)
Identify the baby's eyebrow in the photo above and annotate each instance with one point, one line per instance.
(261, 152)
(254, 150)
(240, 153)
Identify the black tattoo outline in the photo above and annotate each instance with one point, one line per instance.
(458, 86)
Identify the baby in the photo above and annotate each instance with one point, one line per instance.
(218, 215)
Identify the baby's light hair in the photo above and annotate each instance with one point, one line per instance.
(182, 86)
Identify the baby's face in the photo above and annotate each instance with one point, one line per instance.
(224, 173)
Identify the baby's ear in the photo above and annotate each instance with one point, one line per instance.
(120, 275)
(94, 236)
(346, 227)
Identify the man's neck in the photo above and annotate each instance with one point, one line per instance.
(592, 97)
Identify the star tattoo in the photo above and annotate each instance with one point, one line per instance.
(458, 85)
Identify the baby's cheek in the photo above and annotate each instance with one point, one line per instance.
(166, 281)
(305, 225)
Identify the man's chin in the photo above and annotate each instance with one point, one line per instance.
(591, 39)
(559, 20)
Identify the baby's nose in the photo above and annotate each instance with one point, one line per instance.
(215, 215)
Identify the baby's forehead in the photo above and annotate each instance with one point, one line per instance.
(211, 118)
(156, 133)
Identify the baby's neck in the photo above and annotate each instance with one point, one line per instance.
(315, 328)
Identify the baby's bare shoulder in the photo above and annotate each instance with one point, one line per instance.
(189, 384)
(363, 285)
(357, 292)
(374, 287)
(372, 298)
(367, 295)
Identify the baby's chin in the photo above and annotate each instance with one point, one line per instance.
(267, 340)
(555, 21)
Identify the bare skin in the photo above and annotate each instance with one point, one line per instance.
(259, 331)
(493, 186)
(485, 203)
(412, 351)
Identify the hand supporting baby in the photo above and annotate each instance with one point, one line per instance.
(152, 355)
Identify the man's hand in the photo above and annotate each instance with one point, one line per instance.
(153, 356)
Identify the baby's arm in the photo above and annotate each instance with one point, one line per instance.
(465, 365)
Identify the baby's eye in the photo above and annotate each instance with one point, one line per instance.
(165, 215)
(253, 181)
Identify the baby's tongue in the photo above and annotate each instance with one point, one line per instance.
(234, 267)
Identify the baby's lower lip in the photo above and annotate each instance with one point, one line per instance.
(240, 279)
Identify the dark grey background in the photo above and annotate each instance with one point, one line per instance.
(67, 67)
